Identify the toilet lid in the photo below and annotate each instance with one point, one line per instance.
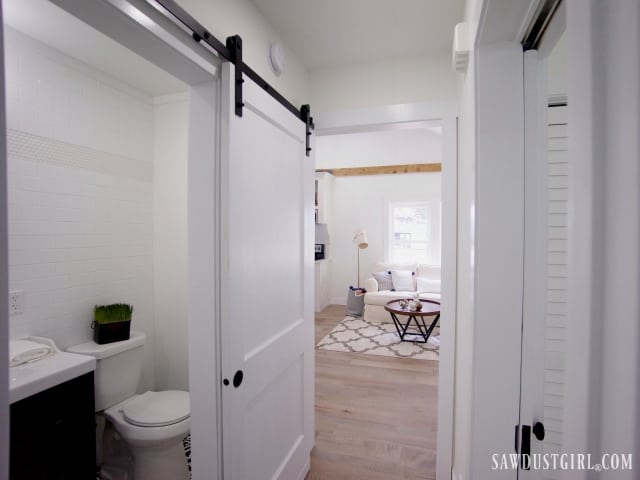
(157, 409)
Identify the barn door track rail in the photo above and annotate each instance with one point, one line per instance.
(231, 51)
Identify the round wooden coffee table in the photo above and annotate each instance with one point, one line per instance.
(429, 308)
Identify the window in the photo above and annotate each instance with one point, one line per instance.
(414, 232)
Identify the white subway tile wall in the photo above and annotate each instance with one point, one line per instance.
(80, 150)
(54, 96)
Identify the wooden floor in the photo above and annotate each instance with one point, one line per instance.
(376, 416)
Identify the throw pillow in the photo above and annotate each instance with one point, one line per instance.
(426, 285)
(402, 280)
(384, 280)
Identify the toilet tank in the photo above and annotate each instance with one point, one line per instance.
(118, 368)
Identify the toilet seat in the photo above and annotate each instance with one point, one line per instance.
(157, 409)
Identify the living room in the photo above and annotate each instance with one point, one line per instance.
(390, 170)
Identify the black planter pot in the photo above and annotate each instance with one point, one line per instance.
(111, 332)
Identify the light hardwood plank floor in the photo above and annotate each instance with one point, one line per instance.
(376, 416)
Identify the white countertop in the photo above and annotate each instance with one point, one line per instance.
(31, 378)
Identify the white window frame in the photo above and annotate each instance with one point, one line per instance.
(436, 228)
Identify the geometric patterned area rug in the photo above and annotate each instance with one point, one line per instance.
(355, 335)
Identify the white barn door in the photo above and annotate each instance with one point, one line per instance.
(267, 288)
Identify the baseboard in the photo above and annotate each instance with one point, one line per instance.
(305, 469)
(338, 300)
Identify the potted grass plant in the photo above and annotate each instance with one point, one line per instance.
(111, 323)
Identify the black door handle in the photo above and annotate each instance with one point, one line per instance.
(525, 442)
(538, 431)
(525, 451)
(237, 379)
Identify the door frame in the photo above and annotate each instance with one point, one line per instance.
(493, 146)
(348, 121)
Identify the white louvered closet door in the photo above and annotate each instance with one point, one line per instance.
(557, 279)
(545, 303)
(555, 302)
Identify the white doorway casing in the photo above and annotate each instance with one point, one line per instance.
(447, 113)
(203, 300)
(491, 196)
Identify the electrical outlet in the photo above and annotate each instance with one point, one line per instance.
(16, 302)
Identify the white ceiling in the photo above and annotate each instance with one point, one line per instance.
(420, 143)
(322, 33)
(54, 27)
(327, 33)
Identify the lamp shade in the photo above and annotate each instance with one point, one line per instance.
(360, 239)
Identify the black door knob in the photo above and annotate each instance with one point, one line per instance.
(237, 378)
(538, 430)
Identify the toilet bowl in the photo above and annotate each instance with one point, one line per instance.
(152, 424)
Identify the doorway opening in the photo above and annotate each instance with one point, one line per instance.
(399, 214)
(395, 181)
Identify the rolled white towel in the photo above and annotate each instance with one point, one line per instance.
(25, 351)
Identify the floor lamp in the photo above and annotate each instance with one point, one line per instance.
(361, 241)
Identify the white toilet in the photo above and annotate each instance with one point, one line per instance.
(153, 424)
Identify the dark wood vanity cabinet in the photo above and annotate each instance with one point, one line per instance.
(53, 434)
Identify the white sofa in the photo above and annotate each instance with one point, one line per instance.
(375, 299)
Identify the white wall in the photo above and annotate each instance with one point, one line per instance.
(80, 195)
(224, 18)
(386, 82)
(363, 202)
(386, 147)
(170, 241)
(557, 68)
(603, 377)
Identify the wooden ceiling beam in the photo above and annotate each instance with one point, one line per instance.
(383, 169)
